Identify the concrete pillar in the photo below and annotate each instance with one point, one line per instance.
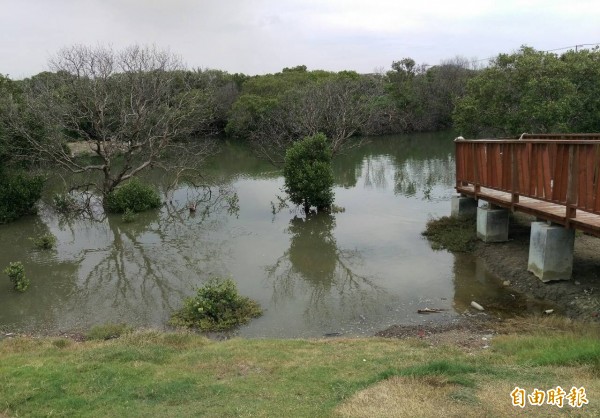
(492, 224)
(551, 251)
(463, 206)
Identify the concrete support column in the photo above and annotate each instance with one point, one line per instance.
(492, 224)
(551, 251)
(463, 206)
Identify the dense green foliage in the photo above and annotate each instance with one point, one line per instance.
(535, 92)
(217, 306)
(133, 196)
(16, 273)
(262, 95)
(18, 195)
(18, 192)
(308, 173)
(421, 97)
(297, 102)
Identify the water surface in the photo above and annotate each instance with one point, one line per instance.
(353, 272)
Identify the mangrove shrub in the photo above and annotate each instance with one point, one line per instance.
(18, 195)
(532, 91)
(16, 273)
(44, 241)
(133, 196)
(308, 173)
(217, 306)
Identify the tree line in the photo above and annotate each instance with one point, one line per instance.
(140, 104)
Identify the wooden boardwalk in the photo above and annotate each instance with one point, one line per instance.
(555, 177)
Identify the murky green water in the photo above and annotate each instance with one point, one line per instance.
(353, 272)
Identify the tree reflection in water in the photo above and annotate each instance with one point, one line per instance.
(337, 289)
(134, 269)
(474, 282)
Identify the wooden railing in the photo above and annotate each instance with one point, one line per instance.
(562, 169)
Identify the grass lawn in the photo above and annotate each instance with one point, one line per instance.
(150, 373)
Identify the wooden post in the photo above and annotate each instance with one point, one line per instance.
(514, 175)
(476, 181)
(571, 203)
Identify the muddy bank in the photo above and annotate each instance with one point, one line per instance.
(579, 297)
(470, 333)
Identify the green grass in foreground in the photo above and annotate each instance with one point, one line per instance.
(149, 373)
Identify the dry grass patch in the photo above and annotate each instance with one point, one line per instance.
(495, 399)
(406, 397)
(433, 396)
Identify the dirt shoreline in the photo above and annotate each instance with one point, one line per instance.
(578, 298)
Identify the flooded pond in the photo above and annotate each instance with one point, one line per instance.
(353, 272)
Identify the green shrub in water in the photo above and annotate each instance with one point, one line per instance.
(107, 331)
(133, 195)
(45, 241)
(18, 195)
(16, 273)
(217, 306)
(308, 173)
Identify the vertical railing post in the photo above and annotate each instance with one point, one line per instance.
(476, 181)
(456, 163)
(514, 175)
(571, 202)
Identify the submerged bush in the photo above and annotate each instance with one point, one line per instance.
(18, 195)
(217, 306)
(133, 195)
(45, 241)
(16, 273)
(107, 331)
(451, 233)
(308, 173)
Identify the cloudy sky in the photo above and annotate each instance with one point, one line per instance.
(261, 36)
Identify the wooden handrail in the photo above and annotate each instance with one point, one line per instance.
(561, 171)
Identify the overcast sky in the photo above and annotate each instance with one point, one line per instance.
(261, 36)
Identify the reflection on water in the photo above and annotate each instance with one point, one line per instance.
(353, 272)
(473, 282)
(336, 289)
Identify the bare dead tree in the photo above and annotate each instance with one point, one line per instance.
(125, 105)
(339, 107)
